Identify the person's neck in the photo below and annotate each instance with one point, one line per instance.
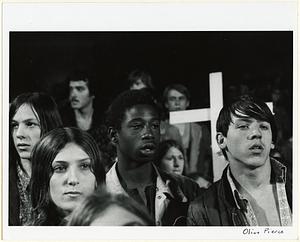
(251, 179)
(135, 174)
(85, 112)
(26, 165)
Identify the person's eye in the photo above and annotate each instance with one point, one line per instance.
(156, 125)
(85, 166)
(243, 126)
(264, 127)
(180, 157)
(31, 124)
(59, 168)
(14, 125)
(136, 126)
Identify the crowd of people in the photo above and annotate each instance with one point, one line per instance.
(71, 165)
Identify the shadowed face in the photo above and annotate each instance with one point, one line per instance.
(139, 134)
(138, 85)
(176, 101)
(79, 94)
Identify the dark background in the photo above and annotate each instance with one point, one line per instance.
(41, 61)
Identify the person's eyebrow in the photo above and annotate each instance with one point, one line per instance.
(246, 119)
(136, 120)
(27, 120)
(65, 162)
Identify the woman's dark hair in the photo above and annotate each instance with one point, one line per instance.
(43, 154)
(97, 203)
(45, 108)
(164, 147)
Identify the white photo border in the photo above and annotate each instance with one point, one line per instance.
(165, 16)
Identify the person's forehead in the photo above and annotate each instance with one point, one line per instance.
(143, 111)
(78, 83)
(139, 81)
(175, 93)
(25, 112)
(71, 152)
(244, 117)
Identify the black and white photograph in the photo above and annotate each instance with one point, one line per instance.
(175, 118)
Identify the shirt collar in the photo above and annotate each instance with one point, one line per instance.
(278, 175)
(238, 198)
(114, 185)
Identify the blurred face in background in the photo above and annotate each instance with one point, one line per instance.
(72, 179)
(139, 84)
(176, 101)
(173, 161)
(116, 215)
(80, 96)
(26, 130)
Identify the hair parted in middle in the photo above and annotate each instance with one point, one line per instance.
(43, 155)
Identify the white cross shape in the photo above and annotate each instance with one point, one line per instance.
(209, 114)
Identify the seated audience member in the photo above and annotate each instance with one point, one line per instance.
(31, 115)
(66, 167)
(195, 138)
(169, 157)
(81, 110)
(133, 119)
(106, 209)
(254, 189)
(142, 80)
(139, 79)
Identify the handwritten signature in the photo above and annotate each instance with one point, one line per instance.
(249, 231)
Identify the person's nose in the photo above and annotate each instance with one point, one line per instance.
(147, 132)
(175, 162)
(177, 102)
(72, 177)
(73, 93)
(21, 132)
(255, 132)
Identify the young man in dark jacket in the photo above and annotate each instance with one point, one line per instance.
(134, 128)
(254, 189)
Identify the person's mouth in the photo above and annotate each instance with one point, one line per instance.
(74, 101)
(256, 148)
(73, 193)
(148, 148)
(23, 146)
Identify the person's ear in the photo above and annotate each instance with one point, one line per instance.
(221, 140)
(113, 135)
(166, 105)
(272, 146)
(187, 103)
